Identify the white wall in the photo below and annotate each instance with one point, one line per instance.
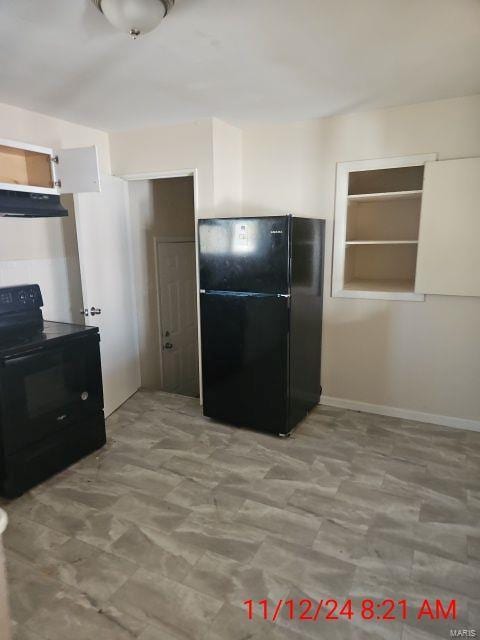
(423, 357)
(42, 250)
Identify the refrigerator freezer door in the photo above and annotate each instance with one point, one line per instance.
(245, 359)
(245, 254)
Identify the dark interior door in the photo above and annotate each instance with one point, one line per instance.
(244, 254)
(245, 359)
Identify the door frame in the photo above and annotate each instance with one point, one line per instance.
(180, 173)
(159, 241)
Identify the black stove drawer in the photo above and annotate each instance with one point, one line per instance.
(46, 390)
(26, 468)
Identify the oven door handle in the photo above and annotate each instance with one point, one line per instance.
(47, 349)
(23, 358)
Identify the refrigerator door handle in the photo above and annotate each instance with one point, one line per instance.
(248, 293)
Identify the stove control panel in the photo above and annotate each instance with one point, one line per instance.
(26, 297)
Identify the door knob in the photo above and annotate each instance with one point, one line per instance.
(168, 345)
(95, 311)
(84, 312)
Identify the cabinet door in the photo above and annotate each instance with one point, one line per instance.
(448, 258)
(77, 170)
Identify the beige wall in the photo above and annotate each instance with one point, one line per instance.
(158, 209)
(419, 356)
(227, 169)
(210, 147)
(45, 251)
(167, 149)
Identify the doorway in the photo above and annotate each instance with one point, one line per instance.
(163, 227)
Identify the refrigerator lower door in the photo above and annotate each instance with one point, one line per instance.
(245, 359)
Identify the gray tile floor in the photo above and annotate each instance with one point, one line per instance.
(164, 533)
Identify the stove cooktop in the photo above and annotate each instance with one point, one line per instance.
(52, 333)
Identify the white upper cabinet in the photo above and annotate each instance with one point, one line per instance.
(27, 167)
(448, 255)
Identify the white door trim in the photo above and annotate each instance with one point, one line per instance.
(181, 173)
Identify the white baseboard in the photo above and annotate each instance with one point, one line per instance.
(405, 414)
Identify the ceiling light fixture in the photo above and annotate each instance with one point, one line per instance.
(134, 17)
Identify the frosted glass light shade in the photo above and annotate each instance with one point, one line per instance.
(134, 17)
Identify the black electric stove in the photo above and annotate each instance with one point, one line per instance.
(51, 396)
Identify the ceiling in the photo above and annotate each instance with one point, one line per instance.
(239, 61)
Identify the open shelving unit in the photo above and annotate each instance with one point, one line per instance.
(377, 220)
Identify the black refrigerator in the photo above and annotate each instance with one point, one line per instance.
(261, 289)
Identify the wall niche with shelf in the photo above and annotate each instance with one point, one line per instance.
(377, 221)
(383, 220)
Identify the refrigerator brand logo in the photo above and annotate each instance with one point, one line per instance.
(276, 231)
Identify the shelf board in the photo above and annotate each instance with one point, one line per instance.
(399, 286)
(361, 242)
(388, 195)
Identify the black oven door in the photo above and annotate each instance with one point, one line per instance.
(43, 391)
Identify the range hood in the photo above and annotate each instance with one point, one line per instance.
(23, 204)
